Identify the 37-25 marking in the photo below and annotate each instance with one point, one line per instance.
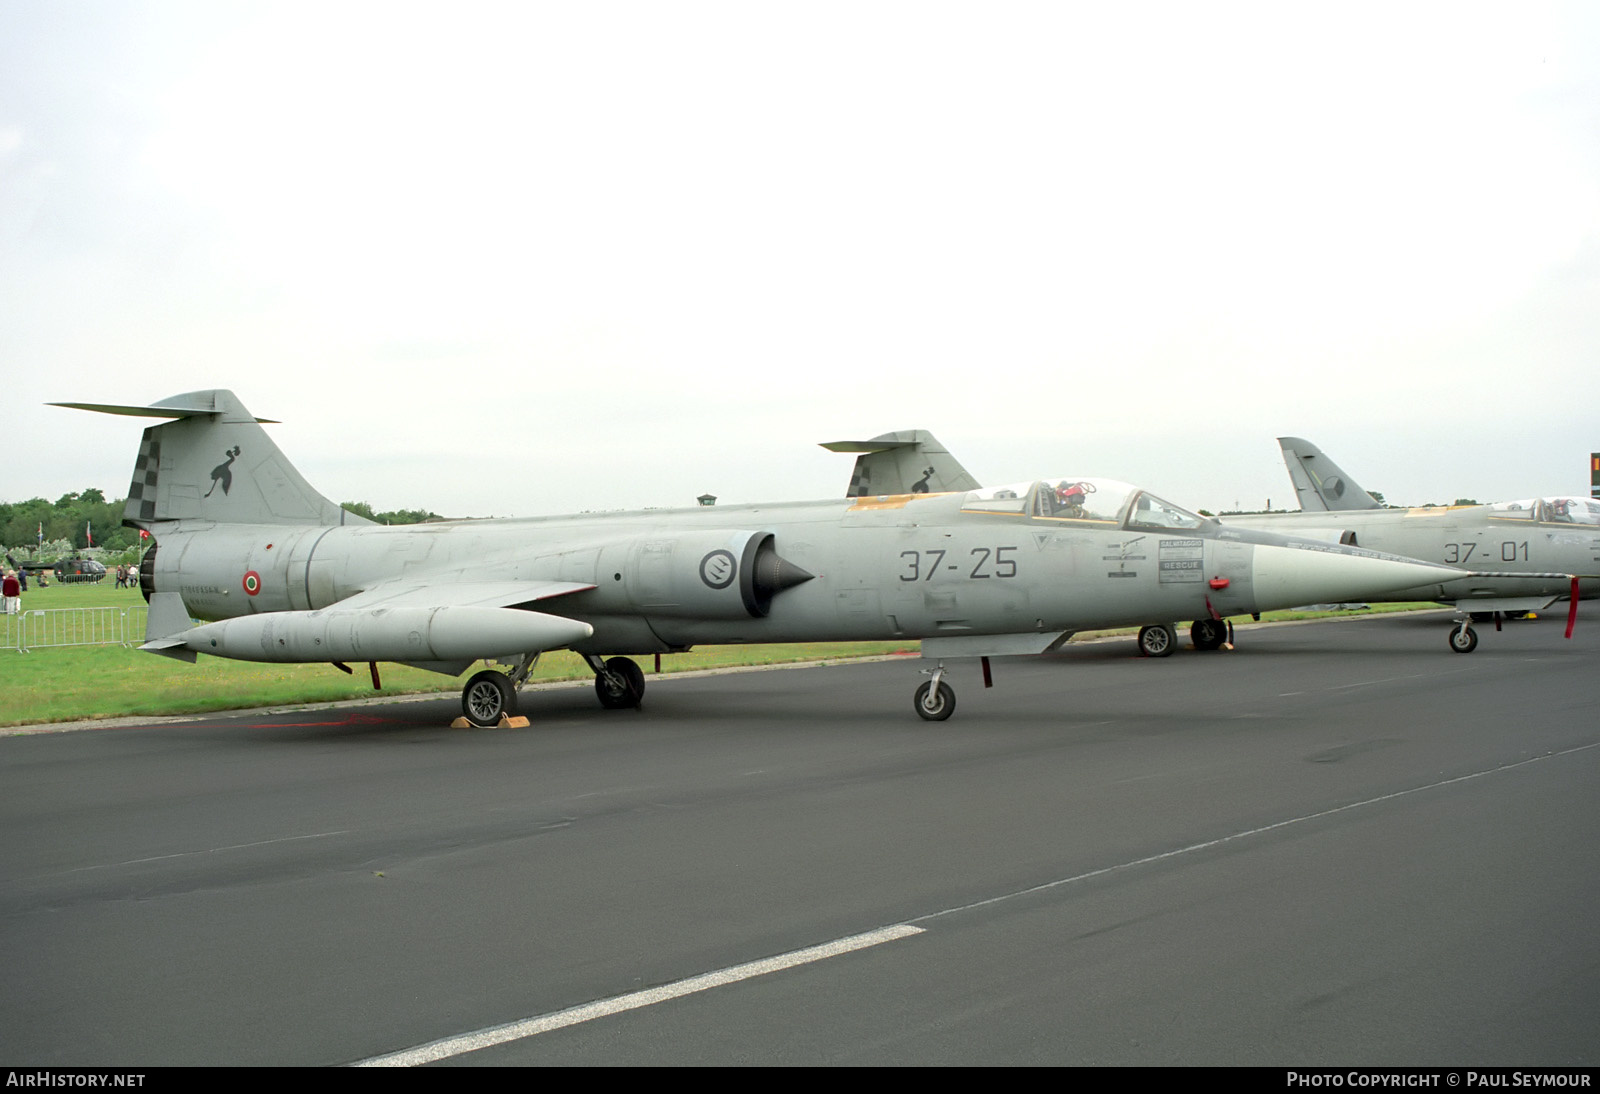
(981, 563)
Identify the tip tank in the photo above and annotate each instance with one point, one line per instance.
(385, 634)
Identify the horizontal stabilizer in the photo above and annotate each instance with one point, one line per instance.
(179, 406)
(911, 461)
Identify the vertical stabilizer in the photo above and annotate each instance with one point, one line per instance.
(215, 462)
(1321, 485)
(911, 461)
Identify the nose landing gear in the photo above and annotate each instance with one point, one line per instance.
(1464, 639)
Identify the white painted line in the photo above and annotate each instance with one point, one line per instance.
(469, 1042)
(1247, 833)
(601, 1008)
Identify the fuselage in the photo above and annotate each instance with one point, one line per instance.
(906, 566)
(1505, 539)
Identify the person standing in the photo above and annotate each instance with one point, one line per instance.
(11, 589)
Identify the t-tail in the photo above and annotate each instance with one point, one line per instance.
(214, 462)
(911, 461)
(1320, 483)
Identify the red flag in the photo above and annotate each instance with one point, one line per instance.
(88, 535)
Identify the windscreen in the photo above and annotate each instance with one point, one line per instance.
(1150, 511)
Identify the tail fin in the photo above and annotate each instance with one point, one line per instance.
(1319, 482)
(908, 462)
(215, 462)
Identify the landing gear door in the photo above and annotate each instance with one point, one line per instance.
(1230, 561)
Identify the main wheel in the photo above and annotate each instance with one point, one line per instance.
(1463, 639)
(621, 685)
(1208, 634)
(487, 696)
(1158, 640)
(935, 706)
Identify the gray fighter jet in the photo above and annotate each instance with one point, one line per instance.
(286, 575)
(1525, 555)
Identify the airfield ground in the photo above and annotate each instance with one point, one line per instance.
(1339, 844)
(114, 683)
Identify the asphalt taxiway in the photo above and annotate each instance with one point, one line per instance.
(1339, 844)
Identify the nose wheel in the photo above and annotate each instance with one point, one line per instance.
(935, 701)
(1464, 639)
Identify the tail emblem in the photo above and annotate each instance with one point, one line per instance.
(223, 472)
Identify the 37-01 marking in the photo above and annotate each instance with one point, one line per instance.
(1510, 551)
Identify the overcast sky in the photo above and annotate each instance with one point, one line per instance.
(523, 258)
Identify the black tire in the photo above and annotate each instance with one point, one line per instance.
(1158, 640)
(1208, 634)
(622, 684)
(1463, 640)
(935, 707)
(488, 696)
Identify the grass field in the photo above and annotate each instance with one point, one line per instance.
(74, 683)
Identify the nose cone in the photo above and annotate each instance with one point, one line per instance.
(1284, 577)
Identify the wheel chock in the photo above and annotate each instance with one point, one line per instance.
(505, 722)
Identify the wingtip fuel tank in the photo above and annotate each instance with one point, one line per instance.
(443, 634)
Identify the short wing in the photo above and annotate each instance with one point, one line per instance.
(437, 592)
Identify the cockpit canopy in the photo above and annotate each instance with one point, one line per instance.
(1556, 510)
(1091, 501)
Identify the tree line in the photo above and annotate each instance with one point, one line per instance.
(70, 522)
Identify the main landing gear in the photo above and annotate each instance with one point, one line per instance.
(1161, 639)
(487, 697)
(618, 683)
(1210, 634)
(1158, 640)
(491, 695)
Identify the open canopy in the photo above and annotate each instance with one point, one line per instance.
(1563, 509)
(1090, 501)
